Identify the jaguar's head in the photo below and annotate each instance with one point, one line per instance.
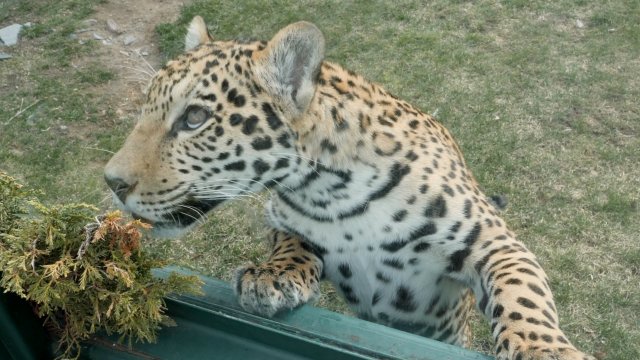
(217, 124)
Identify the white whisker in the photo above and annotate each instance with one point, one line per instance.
(225, 188)
(105, 199)
(192, 208)
(229, 189)
(98, 149)
(209, 194)
(220, 195)
(138, 70)
(137, 80)
(199, 219)
(310, 161)
(256, 182)
(87, 195)
(283, 185)
(147, 63)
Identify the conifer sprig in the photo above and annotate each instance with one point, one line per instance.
(82, 273)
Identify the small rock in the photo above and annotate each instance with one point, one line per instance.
(90, 22)
(124, 53)
(4, 56)
(579, 24)
(128, 40)
(143, 51)
(113, 27)
(9, 34)
(27, 24)
(64, 128)
(73, 36)
(106, 42)
(32, 119)
(98, 36)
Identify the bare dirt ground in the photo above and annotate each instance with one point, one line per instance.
(131, 52)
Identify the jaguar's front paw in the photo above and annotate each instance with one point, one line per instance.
(267, 289)
(539, 351)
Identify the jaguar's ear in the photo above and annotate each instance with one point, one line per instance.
(288, 67)
(197, 34)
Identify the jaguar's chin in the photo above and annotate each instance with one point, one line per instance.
(168, 231)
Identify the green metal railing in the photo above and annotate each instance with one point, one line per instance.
(213, 326)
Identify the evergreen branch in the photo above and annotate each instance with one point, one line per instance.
(50, 254)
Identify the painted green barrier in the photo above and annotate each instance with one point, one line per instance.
(213, 326)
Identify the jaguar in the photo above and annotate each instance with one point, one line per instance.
(367, 191)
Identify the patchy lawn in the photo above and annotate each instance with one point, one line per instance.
(542, 97)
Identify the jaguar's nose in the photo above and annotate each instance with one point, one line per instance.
(121, 188)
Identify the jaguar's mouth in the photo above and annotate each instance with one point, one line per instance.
(187, 213)
(176, 222)
(142, 219)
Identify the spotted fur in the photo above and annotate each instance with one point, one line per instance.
(368, 191)
(289, 278)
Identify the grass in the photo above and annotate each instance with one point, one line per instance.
(541, 96)
(542, 99)
(51, 143)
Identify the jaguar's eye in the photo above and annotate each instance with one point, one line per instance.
(195, 117)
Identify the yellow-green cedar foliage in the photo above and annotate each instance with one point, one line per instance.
(81, 272)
